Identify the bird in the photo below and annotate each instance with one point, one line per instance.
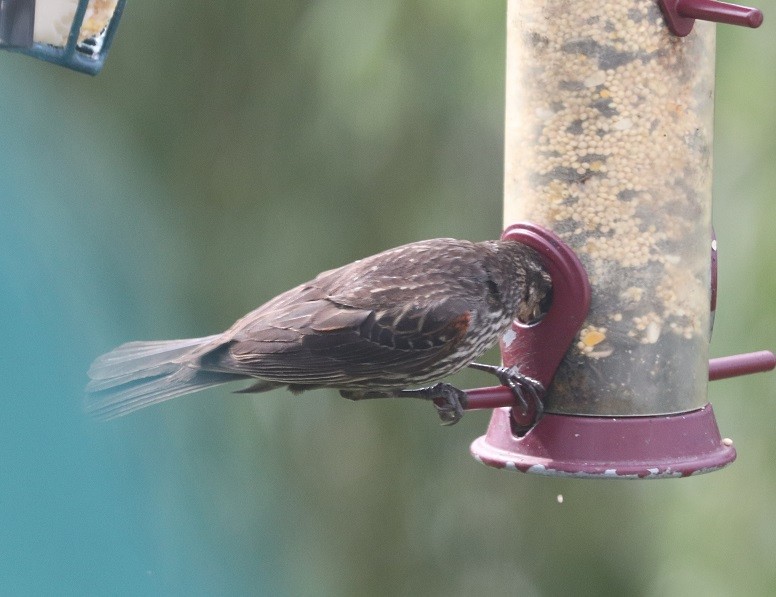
(384, 326)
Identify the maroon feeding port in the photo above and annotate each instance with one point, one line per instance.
(608, 172)
(680, 15)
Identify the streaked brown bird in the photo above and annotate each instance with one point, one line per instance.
(378, 327)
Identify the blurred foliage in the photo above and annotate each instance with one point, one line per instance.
(231, 150)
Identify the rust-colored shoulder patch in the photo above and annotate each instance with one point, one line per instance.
(460, 325)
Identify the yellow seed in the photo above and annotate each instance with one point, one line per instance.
(592, 337)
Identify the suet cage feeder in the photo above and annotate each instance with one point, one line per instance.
(608, 155)
(76, 34)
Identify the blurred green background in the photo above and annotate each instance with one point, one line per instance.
(231, 150)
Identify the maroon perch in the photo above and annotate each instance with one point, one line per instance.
(383, 326)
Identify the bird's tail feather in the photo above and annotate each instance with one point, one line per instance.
(138, 374)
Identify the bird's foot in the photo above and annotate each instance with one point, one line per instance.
(448, 400)
(521, 385)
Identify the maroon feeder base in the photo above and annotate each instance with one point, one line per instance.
(651, 447)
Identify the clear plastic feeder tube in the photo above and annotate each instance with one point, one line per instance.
(609, 144)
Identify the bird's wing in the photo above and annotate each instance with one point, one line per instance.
(321, 342)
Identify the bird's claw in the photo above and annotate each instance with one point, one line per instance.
(520, 385)
(449, 402)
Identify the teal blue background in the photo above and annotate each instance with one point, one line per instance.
(231, 150)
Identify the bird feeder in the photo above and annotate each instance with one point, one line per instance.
(609, 120)
(76, 34)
